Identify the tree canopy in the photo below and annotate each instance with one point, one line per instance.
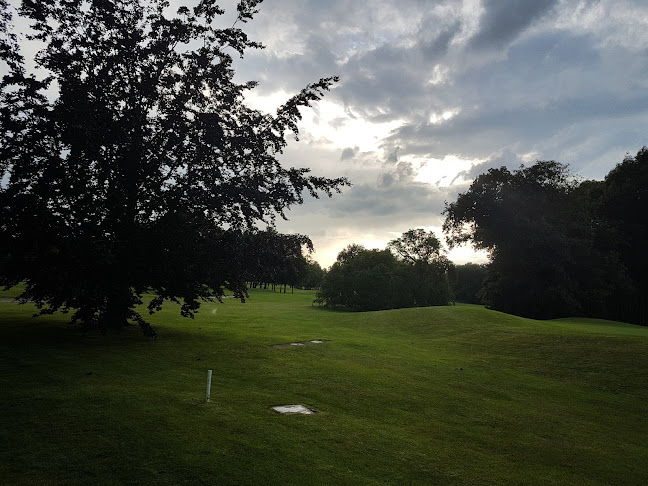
(362, 279)
(275, 258)
(466, 281)
(127, 163)
(418, 246)
(558, 246)
(312, 275)
(624, 201)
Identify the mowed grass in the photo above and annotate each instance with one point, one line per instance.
(447, 395)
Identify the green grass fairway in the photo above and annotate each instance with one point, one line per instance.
(447, 395)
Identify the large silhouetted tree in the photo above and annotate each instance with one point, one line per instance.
(551, 251)
(124, 164)
(624, 203)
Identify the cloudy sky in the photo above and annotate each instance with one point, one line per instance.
(433, 93)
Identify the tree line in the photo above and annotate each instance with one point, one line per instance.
(559, 246)
(269, 259)
(411, 272)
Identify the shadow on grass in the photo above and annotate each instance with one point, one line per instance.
(19, 328)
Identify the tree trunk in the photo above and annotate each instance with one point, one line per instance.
(118, 309)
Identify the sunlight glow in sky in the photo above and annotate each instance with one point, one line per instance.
(443, 172)
(328, 254)
(330, 122)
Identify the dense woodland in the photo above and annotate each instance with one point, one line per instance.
(559, 246)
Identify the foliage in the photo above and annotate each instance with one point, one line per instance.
(624, 204)
(128, 162)
(424, 279)
(466, 281)
(418, 246)
(500, 204)
(363, 280)
(312, 276)
(271, 257)
(552, 252)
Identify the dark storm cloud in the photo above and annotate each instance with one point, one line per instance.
(382, 83)
(549, 83)
(349, 153)
(392, 156)
(389, 202)
(396, 192)
(503, 20)
(502, 81)
(402, 173)
(527, 95)
(506, 159)
(385, 76)
(435, 37)
(379, 73)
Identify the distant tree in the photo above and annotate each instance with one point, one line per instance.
(418, 245)
(363, 280)
(125, 164)
(424, 279)
(350, 252)
(293, 264)
(274, 258)
(312, 276)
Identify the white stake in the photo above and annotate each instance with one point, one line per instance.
(209, 375)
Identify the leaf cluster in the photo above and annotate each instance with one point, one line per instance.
(418, 246)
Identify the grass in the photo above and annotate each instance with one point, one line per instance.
(447, 395)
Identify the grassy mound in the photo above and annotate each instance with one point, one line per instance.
(446, 395)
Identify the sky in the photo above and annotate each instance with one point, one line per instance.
(433, 93)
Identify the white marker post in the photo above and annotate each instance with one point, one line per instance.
(209, 375)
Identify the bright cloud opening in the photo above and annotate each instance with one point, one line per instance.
(443, 172)
(436, 118)
(439, 75)
(330, 121)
